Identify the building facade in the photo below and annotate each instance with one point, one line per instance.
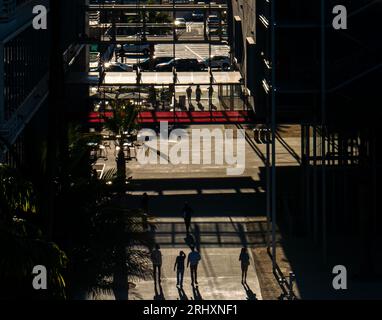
(25, 55)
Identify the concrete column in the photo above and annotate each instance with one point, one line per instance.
(2, 83)
(238, 39)
(250, 65)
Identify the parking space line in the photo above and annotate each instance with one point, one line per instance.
(193, 52)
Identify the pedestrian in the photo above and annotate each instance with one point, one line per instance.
(187, 215)
(244, 258)
(179, 266)
(192, 262)
(189, 94)
(210, 94)
(156, 258)
(198, 93)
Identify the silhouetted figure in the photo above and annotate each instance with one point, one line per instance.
(190, 241)
(187, 215)
(189, 93)
(179, 266)
(244, 258)
(210, 95)
(198, 93)
(156, 258)
(192, 262)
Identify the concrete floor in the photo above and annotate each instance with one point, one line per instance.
(223, 207)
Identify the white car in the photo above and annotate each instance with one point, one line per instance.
(180, 23)
(117, 67)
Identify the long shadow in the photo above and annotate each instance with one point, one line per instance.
(254, 147)
(197, 237)
(288, 148)
(250, 294)
(182, 294)
(196, 293)
(209, 233)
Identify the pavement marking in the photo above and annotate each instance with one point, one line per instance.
(192, 51)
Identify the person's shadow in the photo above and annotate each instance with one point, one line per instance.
(197, 237)
(189, 240)
(159, 295)
(182, 294)
(196, 293)
(250, 294)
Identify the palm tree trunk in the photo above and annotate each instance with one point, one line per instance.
(120, 277)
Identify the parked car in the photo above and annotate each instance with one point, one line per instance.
(145, 64)
(213, 20)
(117, 67)
(217, 62)
(197, 15)
(134, 48)
(180, 23)
(140, 35)
(94, 59)
(180, 65)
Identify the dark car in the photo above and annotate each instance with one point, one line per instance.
(180, 65)
(197, 15)
(150, 64)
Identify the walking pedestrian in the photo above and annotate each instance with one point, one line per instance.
(156, 258)
(189, 94)
(179, 266)
(192, 262)
(198, 93)
(187, 215)
(244, 258)
(210, 95)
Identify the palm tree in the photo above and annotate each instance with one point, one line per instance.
(122, 124)
(109, 249)
(119, 240)
(22, 244)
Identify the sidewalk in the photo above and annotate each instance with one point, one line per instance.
(219, 272)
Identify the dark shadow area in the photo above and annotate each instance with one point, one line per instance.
(250, 294)
(211, 233)
(349, 241)
(241, 196)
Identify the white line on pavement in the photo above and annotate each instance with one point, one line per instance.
(193, 52)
